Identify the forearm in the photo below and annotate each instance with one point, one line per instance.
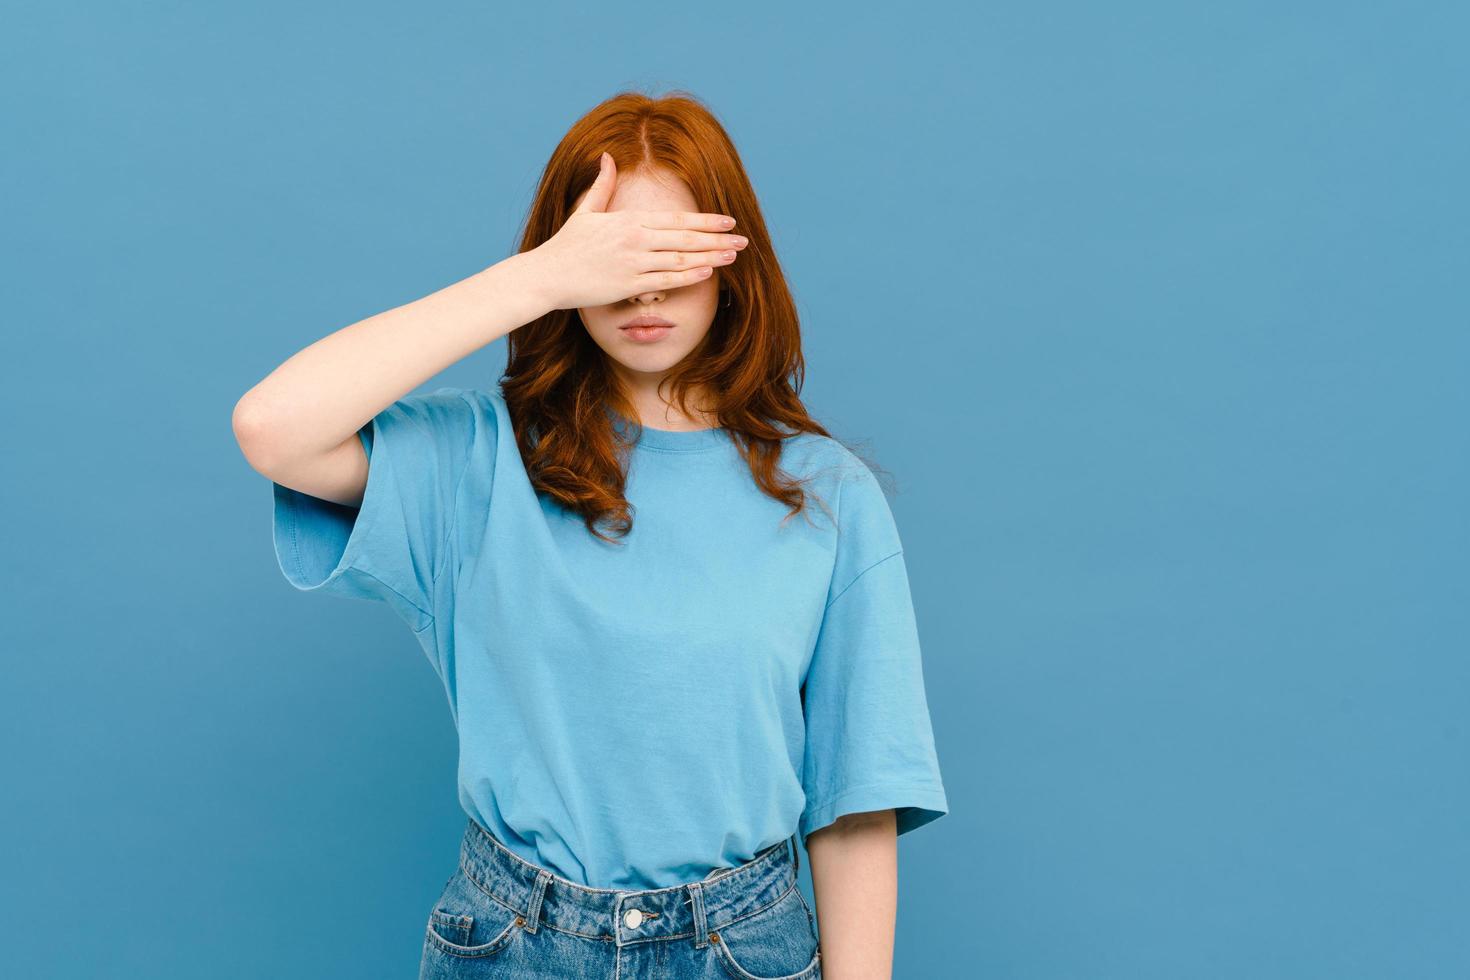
(854, 866)
(324, 393)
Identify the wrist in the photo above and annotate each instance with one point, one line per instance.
(524, 276)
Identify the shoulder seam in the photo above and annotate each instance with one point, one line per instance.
(859, 575)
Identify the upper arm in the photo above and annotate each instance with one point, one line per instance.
(339, 475)
(374, 520)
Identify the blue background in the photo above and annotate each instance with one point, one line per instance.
(1155, 312)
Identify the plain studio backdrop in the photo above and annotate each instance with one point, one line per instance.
(1155, 312)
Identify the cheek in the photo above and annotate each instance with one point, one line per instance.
(702, 296)
(598, 320)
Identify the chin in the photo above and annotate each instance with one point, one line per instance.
(651, 362)
(647, 358)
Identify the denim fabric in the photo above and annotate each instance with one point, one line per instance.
(502, 916)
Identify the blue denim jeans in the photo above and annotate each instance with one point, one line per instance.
(502, 916)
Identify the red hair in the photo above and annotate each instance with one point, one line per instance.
(557, 381)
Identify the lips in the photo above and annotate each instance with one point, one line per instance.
(646, 334)
(646, 320)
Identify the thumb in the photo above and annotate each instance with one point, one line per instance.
(601, 191)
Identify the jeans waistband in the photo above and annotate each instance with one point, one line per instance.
(689, 911)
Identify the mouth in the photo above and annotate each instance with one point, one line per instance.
(646, 320)
(646, 327)
(644, 333)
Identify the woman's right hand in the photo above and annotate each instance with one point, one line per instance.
(599, 257)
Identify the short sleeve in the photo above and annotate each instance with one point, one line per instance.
(392, 548)
(869, 740)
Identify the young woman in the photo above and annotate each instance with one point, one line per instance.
(670, 612)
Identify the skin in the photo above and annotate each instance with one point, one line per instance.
(631, 246)
(640, 367)
(298, 426)
(854, 866)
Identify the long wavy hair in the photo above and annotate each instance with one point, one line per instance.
(557, 382)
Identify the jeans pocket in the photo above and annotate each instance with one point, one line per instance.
(467, 923)
(776, 943)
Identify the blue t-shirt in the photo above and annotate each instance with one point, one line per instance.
(636, 715)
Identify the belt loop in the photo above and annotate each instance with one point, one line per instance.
(696, 904)
(538, 894)
(796, 854)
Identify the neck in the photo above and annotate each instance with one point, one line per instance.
(656, 413)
